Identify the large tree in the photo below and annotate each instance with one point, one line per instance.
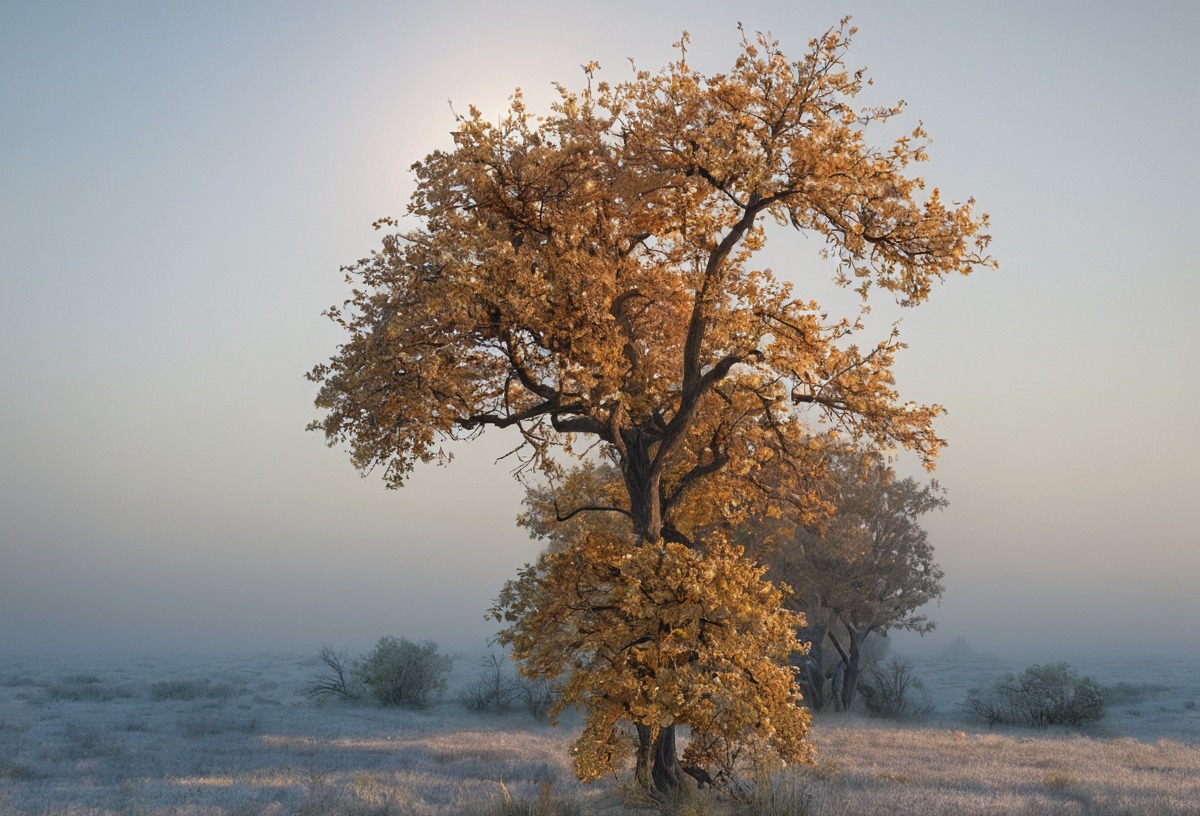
(587, 277)
(869, 569)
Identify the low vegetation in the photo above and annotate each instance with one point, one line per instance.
(499, 687)
(190, 689)
(894, 690)
(337, 680)
(1041, 696)
(400, 672)
(258, 747)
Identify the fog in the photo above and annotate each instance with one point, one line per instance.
(180, 184)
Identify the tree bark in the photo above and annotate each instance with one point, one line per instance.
(643, 770)
(850, 681)
(658, 767)
(812, 669)
(667, 775)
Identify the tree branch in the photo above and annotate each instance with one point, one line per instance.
(599, 508)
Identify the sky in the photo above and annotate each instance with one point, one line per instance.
(180, 184)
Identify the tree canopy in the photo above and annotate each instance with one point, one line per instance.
(587, 278)
(869, 569)
(658, 637)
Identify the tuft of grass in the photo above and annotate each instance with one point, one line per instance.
(84, 688)
(182, 689)
(19, 771)
(205, 725)
(546, 803)
(87, 742)
(1058, 780)
(1124, 693)
(779, 796)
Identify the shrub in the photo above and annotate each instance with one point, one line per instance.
(182, 689)
(400, 672)
(497, 689)
(1053, 694)
(338, 679)
(892, 690)
(84, 688)
(538, 696)
(1124, 693)
(494, 689)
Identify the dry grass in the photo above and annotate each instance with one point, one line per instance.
(932, 771)
(236, 737)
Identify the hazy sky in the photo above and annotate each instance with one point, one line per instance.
(180, 182)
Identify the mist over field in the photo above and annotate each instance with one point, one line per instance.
(181, 185)
(183, 566)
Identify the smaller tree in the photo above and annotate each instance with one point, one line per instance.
(657, 637)
(338, 680)
(868, 570)
(894, 690)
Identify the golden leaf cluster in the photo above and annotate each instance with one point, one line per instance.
(590, 272)
(658, 636)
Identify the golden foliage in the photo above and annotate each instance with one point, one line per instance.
(658, 636)
(589, 273)
(587, 277)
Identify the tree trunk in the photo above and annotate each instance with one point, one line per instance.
(658, 765)
(667, 775)
(850, 682)
(642, 483)
(644, 769)
(812, 669)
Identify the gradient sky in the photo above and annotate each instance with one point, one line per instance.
(180, 182)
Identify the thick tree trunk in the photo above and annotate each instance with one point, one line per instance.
(658, 765)
(667, 775)
(643, 770)
(658, 762)
(642, 486)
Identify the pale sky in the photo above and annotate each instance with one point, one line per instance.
(180, 183)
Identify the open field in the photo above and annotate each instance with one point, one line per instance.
(233, 735)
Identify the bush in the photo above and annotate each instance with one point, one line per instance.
(1124, 693)
(400, 672)
(85, 688)
(1053, 694)
(497, 689)
(538, 696)
(182, 689)
(892, 690)
(338, 679)
(494, 689)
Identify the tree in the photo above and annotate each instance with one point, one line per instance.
(868, 570)
(586, 278)
(658, 636)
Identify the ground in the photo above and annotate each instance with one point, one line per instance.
(233, 734)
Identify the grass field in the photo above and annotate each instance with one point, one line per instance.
(233, 735)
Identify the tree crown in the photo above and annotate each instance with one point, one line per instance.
(588, 274)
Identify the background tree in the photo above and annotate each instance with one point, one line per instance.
(586, 278)
(870, 569)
